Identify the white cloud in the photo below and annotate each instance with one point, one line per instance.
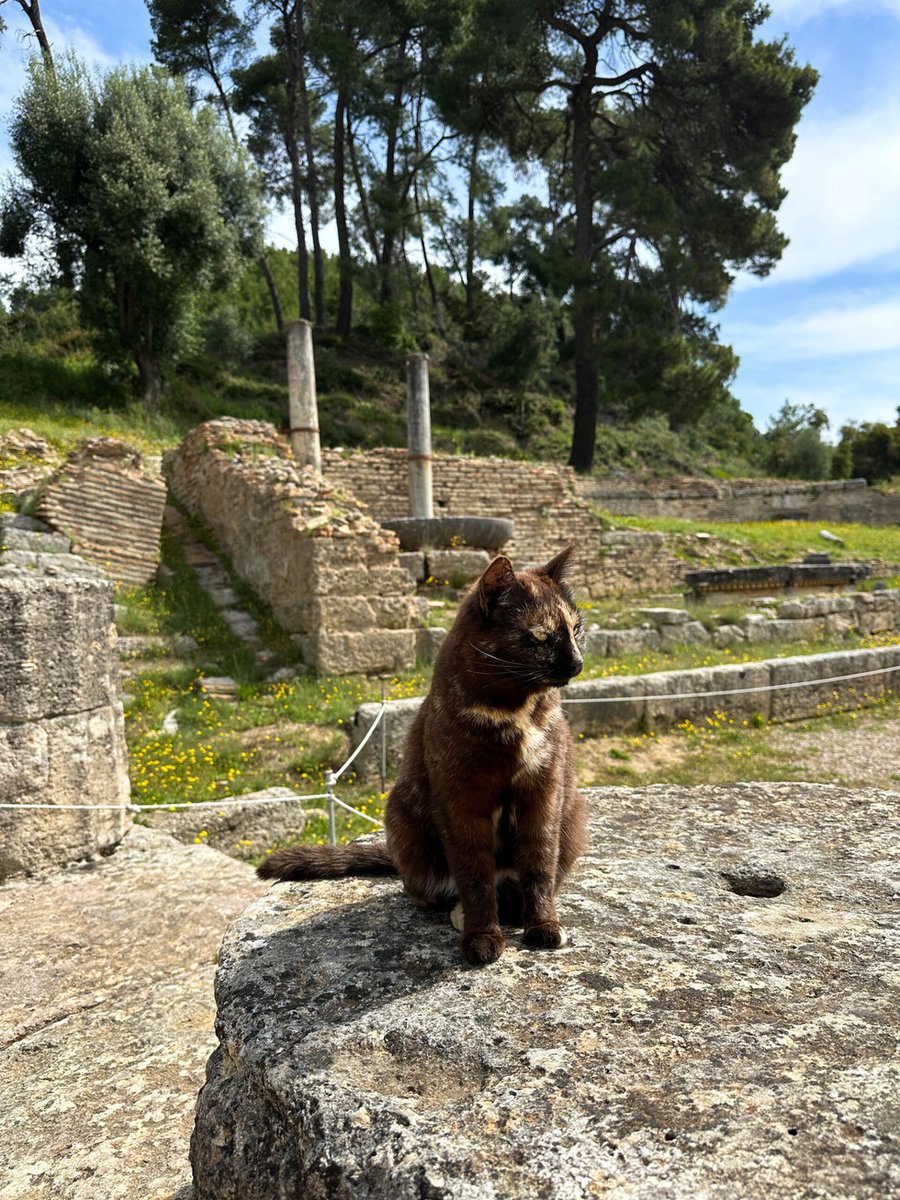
(841, 331)
(843, 194)
(803, 10)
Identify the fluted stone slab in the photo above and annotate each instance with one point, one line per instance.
(723, 1022)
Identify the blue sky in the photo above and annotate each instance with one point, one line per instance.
(824, 327)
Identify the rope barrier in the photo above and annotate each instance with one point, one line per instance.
(765, 687)
(339, 772)
(331, 777)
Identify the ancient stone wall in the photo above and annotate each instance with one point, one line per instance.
(742, 499)
(329, 572)
(626, 703)
(62, 738)
(110, 506)
(539, 497)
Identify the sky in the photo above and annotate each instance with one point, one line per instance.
(824, 327)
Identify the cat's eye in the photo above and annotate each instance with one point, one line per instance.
(539, 635)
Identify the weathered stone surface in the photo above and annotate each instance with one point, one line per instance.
(620, 642)
(806, 697)
(358, 653)
(691, 632)
(414, 562)
(74, 759)
(456, 566)
(244, 827)
(428, 642)
(106, 1016)
(57, 643)
(699, 1036)
(727, 635)
(327, 570)
(665, 616)
(111, 504)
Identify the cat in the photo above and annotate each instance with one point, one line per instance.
(485, 814)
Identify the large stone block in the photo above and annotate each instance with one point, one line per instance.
(344, 653)
(798, 693)
(456, 566)
(621, 642)
(74, 759)
(706, 693)
(57, 644)
(682, 1045)
(611, 705)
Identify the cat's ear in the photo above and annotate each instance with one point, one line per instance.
(498, 578)
(557, 568)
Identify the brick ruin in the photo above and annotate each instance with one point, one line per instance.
(111, 507)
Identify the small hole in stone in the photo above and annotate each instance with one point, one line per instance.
(793, 1131)
(670, 1135)
(754, 881)
(672, 867)
(686, 921)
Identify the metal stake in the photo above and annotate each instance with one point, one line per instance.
(329, 788)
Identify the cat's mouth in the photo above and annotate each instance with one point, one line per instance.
(562, 680)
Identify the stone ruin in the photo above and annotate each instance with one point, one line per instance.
(329, 573)
(723, 1021)
(62, 738)
(111, 507)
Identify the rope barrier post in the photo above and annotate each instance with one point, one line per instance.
(383, 739)
(329, 791)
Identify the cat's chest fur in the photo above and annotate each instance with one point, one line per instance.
(526, 736)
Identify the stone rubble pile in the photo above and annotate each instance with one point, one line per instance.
(26, 459)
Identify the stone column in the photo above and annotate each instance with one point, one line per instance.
(302, 406)
(418, 416)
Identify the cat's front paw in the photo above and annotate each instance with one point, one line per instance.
(548, 935)
(482, 948)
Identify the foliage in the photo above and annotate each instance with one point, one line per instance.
(140, 202)
(870, 451)
(794, 446)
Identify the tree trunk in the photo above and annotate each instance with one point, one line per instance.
(312, 176)
(263, 264)
(390, 177)
(345, 265)
(584, 430)
(470, 231)
(150, 374)
(33, 12)
(368, 223)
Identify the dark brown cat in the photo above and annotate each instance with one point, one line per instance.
(485, 812)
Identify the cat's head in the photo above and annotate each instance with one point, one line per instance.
(529, 622)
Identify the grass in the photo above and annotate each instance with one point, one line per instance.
(290, 733)
(722, 750)
(275, 734)
(783, 541)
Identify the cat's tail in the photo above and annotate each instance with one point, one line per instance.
(328, 862)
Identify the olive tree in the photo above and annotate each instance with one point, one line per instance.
(131, 198)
